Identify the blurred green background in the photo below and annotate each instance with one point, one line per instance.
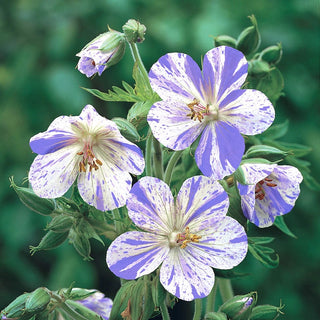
(38, 82)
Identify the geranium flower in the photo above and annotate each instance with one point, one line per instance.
(208, 103)
(272, 191)
(99, 304)
(102, 52)
(186, 237)
(91, 148)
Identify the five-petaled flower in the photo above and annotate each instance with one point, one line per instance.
(91, 148)
(98, 303)
(208, 103)
(102, 52)
(271, 191)
(186, 236)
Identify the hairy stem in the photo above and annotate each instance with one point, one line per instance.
(197, 309)
(225, 288)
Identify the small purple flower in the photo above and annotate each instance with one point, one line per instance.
(186, 236)
(271, 191)
(102, 52)
(91, 148)
(99, 304)
(208, 103)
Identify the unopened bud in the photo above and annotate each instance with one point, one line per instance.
(81, 243)
(37, 300)
(134, 31)
(101, 53)
(61, 223)
(127, 129)
(249, 39)
(215, 316)
(49, 241)
(267, 152)
(259, 68)
(266, 312)
(16, 308)
(225, 40)
(42, 206)
(239, 307)
(272, 54)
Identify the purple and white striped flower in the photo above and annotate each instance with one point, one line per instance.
(271, 191)
(99, 304)
(186, 236)
(91, 148)
(102, 52)
(208, 103)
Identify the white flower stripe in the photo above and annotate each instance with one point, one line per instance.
(255, 172)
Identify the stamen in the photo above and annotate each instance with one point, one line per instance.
(259, 191)
(186, 237)
(88, 159)
(197, 110)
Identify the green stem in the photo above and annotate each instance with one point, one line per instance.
(211, 298)
(148, 158)
(171, 164)
(197, 309)
(164, 310)
(72, 313)
(117, 220)
(225, 288)
(157, 159)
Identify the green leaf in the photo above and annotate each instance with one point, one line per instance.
(137, 115)
(142, 87)
(260, 240)
(276, 131)
(298, 150)
(229, 274)
(281, 225)
(265, 255)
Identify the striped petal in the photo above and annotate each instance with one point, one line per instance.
(171, 126)
(250, 111)
(151, 205)
(134, 254)
(254, 172)
(222, 246)
(200, 202)
(224, 70)
(220, 150)
(248, 201)
(51, 175)
(280, 199)
(185, 277)
(175, 76)
(106, 188)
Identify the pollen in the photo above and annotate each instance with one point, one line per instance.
(186, 237)
(197, 110)
(259, 190)
(88, 159)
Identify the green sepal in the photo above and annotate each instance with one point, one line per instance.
(272, 54)
(77, 293)
(61, 223)
(39, 205)
(49, 241)
(38, 300)
(265, 255)
(258, 68)
(82, 310)
(134, 31)
(266, 152)
(81, 243)
(225, 40)
(249, 39)
(215, 316)
(266, 312)
(127, 129)
(16, 308)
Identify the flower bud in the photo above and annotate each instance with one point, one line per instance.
(215, 316)
(239, 307)
(225, 40)
(61, 223)
(16, 308)
(272, 54)
(37, 300)
(127, 129)
(101, 53)
(134, 31)
(49, 241)
(266, 152)
(266, 312)
(249, 39)
(81, 243)
(258, 68)
(32, 201)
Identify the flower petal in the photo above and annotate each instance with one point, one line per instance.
(134, 254)
(171, 126)
(247, 193)
(151, 205)
(51, 175)
(106, 188)
(254, 172)
(224, 70)
(248, 110)
(222, 246)
(200, 202)
(175, 76)
(278, 200)
(220, 150)
(184, 276)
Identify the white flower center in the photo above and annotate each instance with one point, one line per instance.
(181, 239)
